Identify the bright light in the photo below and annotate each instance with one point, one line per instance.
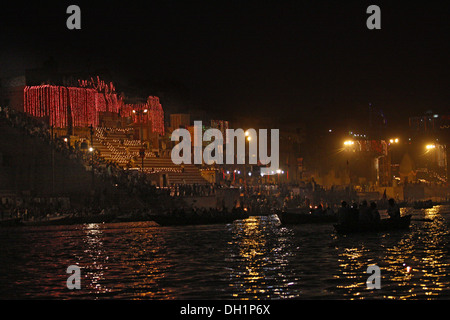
(249, 138)
(278, 170)
(145, 110)
(91, 149)
(134, 111)
(247, 133)
(396, 140)
(65, 139)
(348, 143)
(430, 146)
(250, 174)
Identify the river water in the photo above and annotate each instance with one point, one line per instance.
(255, 258)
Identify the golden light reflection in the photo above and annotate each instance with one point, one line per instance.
(95, 265)
(261, 271)
(413, 264)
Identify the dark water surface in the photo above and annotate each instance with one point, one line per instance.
(256, 258)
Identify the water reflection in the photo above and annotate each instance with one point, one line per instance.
(259, 252)
(414, 264)
(94, 260)
(255, 258)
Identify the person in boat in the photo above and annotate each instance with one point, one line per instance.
(354, 212)
(344, 214)
(365, 216)
(393, 210)
(375, 214)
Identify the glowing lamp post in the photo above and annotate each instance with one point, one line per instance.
(348, 143)
(140, 113)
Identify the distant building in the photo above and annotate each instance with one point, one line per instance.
(222, 125)
(180, 120)
(429, 136)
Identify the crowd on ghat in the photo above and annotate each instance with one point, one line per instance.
(131, 181)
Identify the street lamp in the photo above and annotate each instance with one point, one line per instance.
(396, 140)
(140, 113)
(349, 143)
(430, 146)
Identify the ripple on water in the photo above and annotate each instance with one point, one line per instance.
(255, 258)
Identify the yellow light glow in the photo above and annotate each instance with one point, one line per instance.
(348, 143)
(430, 146)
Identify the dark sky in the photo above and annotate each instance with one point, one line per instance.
(306, 60)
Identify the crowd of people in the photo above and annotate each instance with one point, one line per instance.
(108, 174)
(192, 190)
(365, 213)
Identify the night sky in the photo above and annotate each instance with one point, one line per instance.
(312, 61)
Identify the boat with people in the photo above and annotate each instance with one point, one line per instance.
(388, 224)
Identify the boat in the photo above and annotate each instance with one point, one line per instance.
(71, 220)
(192, 219)
(384, 225)
(423, 204)
(304, 217)
(12, 222)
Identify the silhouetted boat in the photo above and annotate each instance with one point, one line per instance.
(71, 220)
(384, 225)
(11, 222)
(185, 220)
(287, 217)
(423, 204)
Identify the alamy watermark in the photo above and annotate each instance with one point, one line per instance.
(214, 152)
(374, 281)
(74, 280)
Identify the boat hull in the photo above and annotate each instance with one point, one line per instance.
(171, 220)
(385, 225)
